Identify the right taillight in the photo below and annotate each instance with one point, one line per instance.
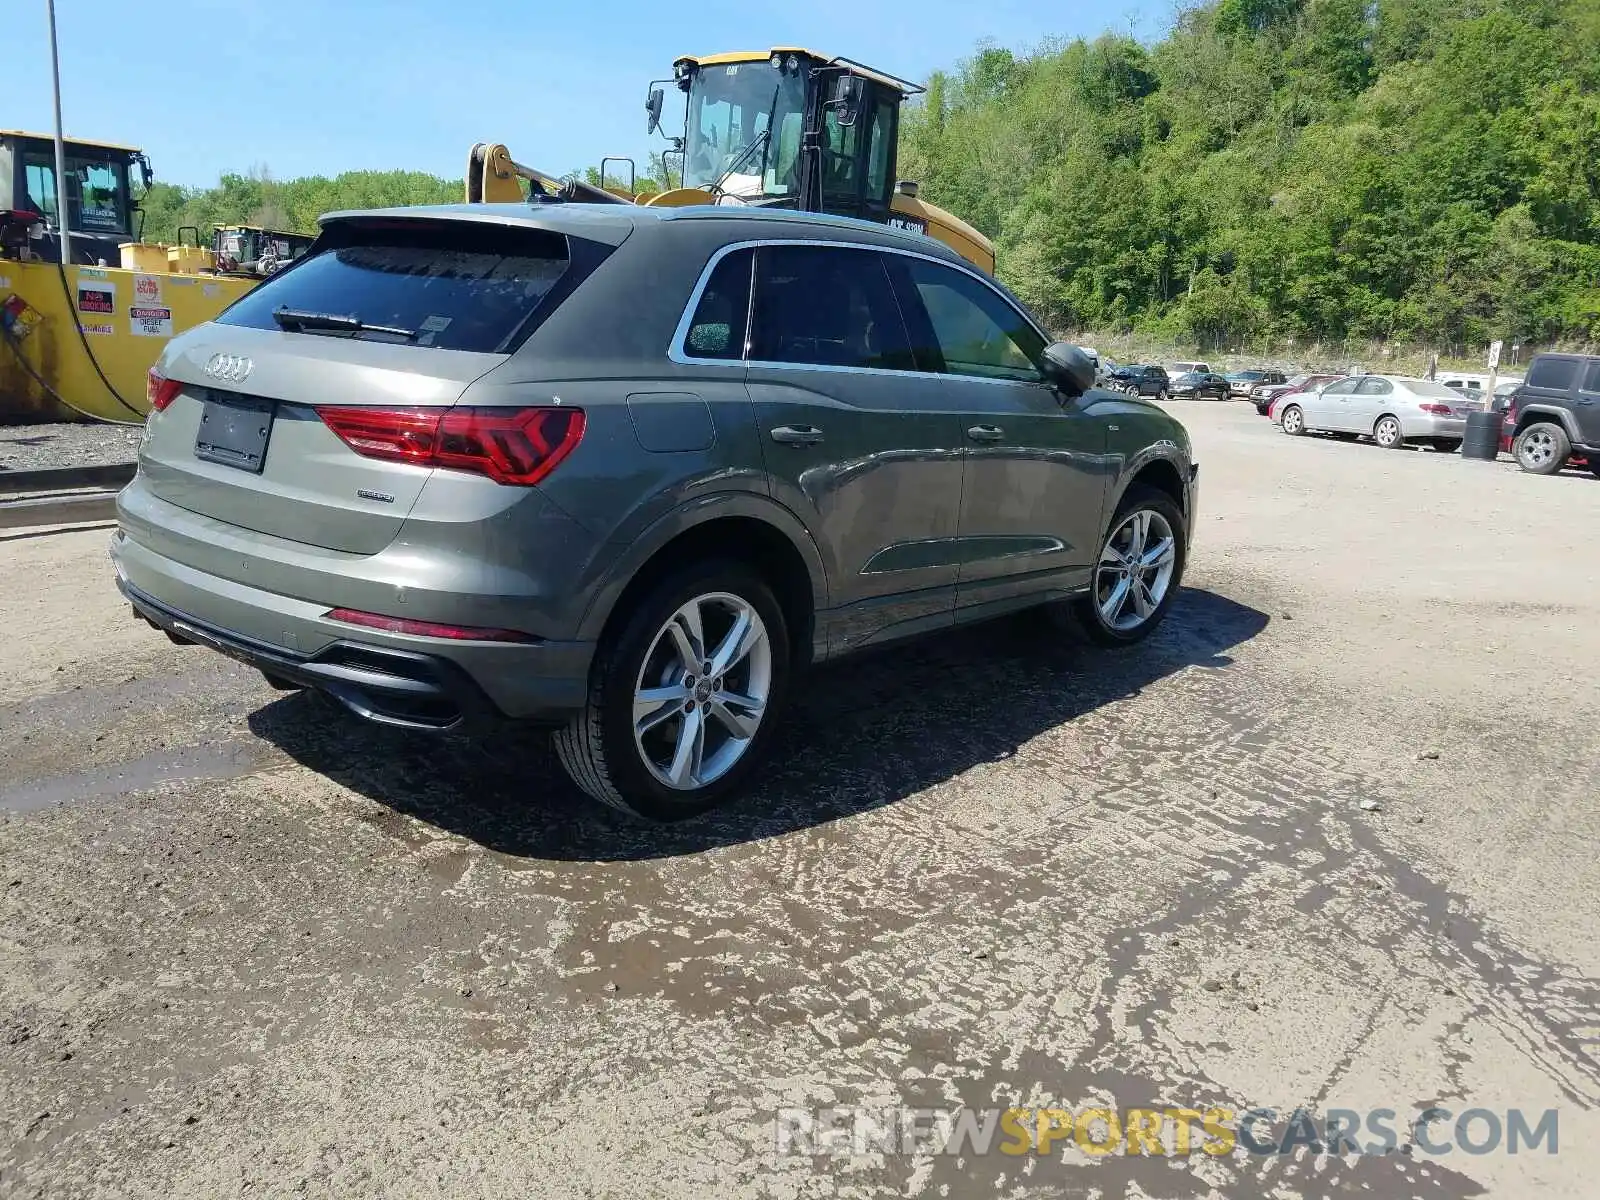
(160, 391)
(517, 446)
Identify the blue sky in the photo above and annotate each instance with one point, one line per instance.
(207, 86)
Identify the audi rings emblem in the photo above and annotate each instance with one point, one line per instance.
(230, 368)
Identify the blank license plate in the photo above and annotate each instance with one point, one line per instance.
(234, 432)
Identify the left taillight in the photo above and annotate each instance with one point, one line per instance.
(160, 391)
(516, 446)
(1438, 410)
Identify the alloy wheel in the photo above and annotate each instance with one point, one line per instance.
(1293, 421)
(1538, 448)
(1387, 432)
(1135, 570)
(702, 691)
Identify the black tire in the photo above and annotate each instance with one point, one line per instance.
(1542, 448)
(1447, 445)
(1594, 465)
(1086, 608)
(1381, 433)
(597, 748)
(1162, 396)
(1295, 426)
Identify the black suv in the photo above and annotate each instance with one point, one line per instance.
(1142, 381)
(1555, 414)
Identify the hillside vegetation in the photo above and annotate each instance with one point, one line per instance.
(1411, 170)
(292, 205)
(1395, 171)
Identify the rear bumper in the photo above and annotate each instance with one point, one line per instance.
(423, 683)
(1427, 425)
(391, 687)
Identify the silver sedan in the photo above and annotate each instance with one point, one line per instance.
(1390, 409)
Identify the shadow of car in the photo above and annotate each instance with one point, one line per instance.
(865, 733)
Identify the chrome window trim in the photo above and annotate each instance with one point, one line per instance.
(677, 354)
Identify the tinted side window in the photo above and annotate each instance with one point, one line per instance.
(1372, 386)
(977, 331)
(829, 307)
(1557, 373)
(1591, 380)
(723, 314)
(1341, 387)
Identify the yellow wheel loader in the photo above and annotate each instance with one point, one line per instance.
(78, 337)
(784, 128)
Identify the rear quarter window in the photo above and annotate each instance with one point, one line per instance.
(1556, 373)
(1426, 387)
(454, 285)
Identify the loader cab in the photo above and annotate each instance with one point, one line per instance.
(101, 210)
(791, 128)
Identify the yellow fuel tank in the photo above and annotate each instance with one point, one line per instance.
(126, 317)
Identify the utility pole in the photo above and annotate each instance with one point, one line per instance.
(62, 218)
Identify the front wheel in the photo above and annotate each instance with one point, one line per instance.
(1140, 567)
(1542, 448)
(1294, 421)
(1387, 433)
(683, 697)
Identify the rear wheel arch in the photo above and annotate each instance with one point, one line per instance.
(1539, 413)
(747, 530)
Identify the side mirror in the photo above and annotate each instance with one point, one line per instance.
(1068, 368)
(652, 106)
(847, 99)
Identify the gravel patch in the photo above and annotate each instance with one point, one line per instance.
(30, 447)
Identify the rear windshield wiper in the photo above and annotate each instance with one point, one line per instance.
(296, 320)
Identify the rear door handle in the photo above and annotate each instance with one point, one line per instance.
(986, 433)
(797, 435)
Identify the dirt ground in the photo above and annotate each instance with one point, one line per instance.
(24, 447)
(1329, 840)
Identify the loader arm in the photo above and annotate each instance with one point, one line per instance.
(492, 176)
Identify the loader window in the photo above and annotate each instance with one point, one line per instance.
(744, 117)
(97, 191)
(879, 142)
(42, 190)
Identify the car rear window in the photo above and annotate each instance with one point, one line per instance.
(1427, 387)
(1557, 373)
(454, 285)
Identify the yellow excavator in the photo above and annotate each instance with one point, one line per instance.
(783, 128)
